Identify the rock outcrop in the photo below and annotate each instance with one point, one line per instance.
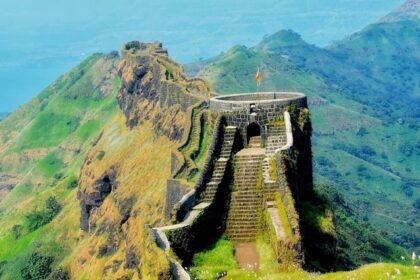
(100, 189)
(151, 81)
(122, 181)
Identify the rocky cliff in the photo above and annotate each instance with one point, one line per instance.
(123, 179)
(150, 80)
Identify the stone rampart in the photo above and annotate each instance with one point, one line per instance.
(261, 108)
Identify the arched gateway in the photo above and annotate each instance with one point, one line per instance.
(253, 130)
(253, 112)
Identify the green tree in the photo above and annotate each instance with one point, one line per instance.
(52, 206)
(37, 267)
(37, 219)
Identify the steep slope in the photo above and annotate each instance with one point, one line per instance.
(73, 133)
(123, 179)
(365, 124)
(42, 147)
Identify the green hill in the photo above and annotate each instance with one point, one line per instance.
(42, 147)
(363, 95)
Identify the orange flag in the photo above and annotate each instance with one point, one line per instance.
(258, 77)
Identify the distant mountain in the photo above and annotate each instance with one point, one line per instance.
(410, 10)
(364, 95)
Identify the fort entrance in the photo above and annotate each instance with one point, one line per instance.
(253, 130)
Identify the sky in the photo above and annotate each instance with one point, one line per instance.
(40, 40)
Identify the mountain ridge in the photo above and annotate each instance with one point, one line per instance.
(409, 10)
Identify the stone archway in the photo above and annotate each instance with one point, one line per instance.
(252, 130)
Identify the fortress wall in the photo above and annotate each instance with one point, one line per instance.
(175, 190)
(172, 94)
(242, 109)
(181, 208)
(264, 103)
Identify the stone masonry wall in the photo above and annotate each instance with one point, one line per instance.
(261, 108)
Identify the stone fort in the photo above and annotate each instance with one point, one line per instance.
(244, 186)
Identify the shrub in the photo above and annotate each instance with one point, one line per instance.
(37, 219)
(37, 267)
(17, 231)
(100, 155)
(72, 183)
(59, 274)
(52, 206)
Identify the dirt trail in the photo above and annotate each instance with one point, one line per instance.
(246, 255)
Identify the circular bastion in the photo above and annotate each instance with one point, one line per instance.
(257, 100)
(243, 109)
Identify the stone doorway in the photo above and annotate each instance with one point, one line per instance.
(252, 130)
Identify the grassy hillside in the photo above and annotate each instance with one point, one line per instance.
(366, 132)
(42, 146)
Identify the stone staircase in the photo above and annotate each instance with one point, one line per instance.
(220, 165)
(246, 200)
(255, 142)
(276, 139)
(270, 185)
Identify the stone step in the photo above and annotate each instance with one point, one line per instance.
(251, 178)
(247, 194)
(243, 233)
(241, 236)
(246, 190)
(243, 216)
(251, 181)
(246, 200)
(243, 229)
(244, 212)
(240, 223)
(247, 161)
(250, 196)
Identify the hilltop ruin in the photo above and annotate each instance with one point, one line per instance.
(249, 181)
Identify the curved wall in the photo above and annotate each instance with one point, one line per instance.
(261, 108)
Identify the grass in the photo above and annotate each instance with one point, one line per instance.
(87, 129)
(196, 148)
(45, 146)
(10, 248)
(51, 164)
(318, 217)
(283, 215)
(273, 169)
(212, 262)
(209, 264)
